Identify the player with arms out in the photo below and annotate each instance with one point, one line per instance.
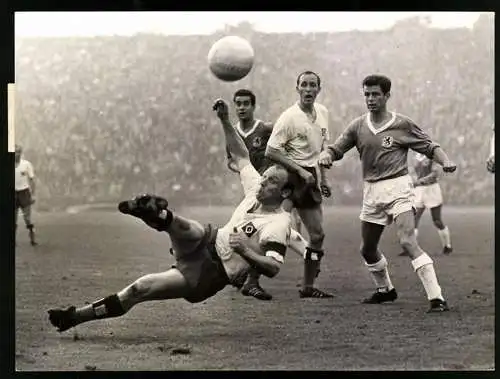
(428, 195)
(25, 191)
(297, 139)
(255, 133)
(490, 163)
(207, 259)
(383, 139)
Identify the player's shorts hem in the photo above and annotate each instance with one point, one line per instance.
(23, 198)
(203, 269)
(403, 209)
(373, 220)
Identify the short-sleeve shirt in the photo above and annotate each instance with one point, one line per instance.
(261, 229)
(383, 151)
(24, 172)
(299, 138)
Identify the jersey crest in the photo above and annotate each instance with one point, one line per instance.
(249, 229)
(387, 141)
(257, 142)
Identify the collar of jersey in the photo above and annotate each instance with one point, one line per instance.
(297, 104)
(383, 127)
(250, 131)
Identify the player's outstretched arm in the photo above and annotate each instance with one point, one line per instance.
(234, 143)
(440, 157)
(335, 152)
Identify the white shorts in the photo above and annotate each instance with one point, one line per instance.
(386, 199)
(428, 196)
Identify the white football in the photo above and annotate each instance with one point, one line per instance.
(231, 58)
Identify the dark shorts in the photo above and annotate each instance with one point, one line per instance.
(203, 269)
(23, 198)
(303, 196)
(263, 165)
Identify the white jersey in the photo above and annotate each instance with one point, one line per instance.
(260, 228)
(24, 172)
(299, 138)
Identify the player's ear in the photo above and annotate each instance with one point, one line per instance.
(387, 95)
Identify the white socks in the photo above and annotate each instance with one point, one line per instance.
(444, 236)
(424, 268)
(380, 275)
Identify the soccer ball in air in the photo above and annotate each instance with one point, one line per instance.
(231, 58)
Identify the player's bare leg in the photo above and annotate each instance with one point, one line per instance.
(166, 285)
(29, 224)
(421, 261)
(376, 264)
(443, 231)
(418, 215)
(185, 235)
(312, 218)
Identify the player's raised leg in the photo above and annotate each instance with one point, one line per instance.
(376, 263)
(312, 217)
(443, 231)
(421, 261)
(186, 236)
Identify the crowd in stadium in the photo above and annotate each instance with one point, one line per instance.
(104, 118)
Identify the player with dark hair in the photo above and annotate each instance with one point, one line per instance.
(297, 139)
(207, 258)
(383, 139)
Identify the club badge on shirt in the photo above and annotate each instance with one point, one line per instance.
(249, 229)
(387, 141)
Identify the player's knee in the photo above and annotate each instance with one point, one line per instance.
(408, 241)
(438, 223)
(317, 237)
(368, 250)
(141, 287)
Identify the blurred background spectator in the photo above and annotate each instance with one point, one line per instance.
(104, 118)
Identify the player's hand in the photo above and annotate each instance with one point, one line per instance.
(236, 241)
(326, 189)
(325, 159)
(231, 164)
(33, 199)
(490, 164)
(222, 109)
(449, 166)
(307, 177)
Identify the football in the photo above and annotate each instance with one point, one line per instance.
(231, 58)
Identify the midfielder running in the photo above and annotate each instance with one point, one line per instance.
(383, 139)
(207, 259)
